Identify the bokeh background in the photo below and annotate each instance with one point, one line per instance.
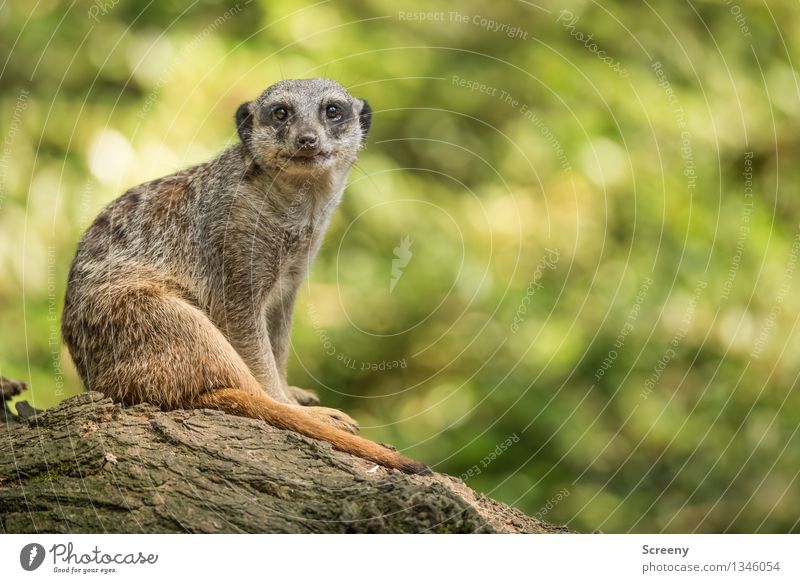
(565, 268)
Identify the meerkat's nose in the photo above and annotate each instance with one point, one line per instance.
(307, 141)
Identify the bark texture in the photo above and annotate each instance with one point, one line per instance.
(89, 465)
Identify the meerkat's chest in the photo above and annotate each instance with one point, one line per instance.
(287, 274)
(291, 250)
(292, 253)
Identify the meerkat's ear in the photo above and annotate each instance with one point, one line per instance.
(365, 118)
(244, 121)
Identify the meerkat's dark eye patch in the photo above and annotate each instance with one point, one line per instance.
(334, 112)
(280, 113)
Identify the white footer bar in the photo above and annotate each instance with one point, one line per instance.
(356, 558)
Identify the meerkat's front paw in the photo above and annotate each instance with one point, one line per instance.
(334, 417)
(303, 396)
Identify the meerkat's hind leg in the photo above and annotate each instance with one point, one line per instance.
(316, 422)
(259, 405)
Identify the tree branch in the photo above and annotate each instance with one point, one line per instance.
(89, 465)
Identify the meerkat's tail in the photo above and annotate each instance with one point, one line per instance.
(260, 406)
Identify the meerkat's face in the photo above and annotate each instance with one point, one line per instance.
(304, 126)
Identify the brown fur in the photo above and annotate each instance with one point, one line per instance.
(181, 291)
(259, 406)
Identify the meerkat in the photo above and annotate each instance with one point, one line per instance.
(182, 290)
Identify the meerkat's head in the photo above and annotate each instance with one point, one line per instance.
(303, 126)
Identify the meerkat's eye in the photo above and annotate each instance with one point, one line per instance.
(333, 112)
(280, 113)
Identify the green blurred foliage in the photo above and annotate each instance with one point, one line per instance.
(692, 422)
